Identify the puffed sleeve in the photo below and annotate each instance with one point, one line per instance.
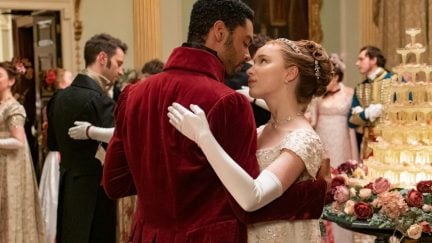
(15, 115)
(307, 145)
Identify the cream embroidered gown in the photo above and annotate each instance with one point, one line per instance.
(307, 145)
(20, 214)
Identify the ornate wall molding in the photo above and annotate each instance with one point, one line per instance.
(315, 28)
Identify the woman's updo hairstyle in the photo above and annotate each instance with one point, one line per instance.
(315, 69)
(338, 66)
(10, 68)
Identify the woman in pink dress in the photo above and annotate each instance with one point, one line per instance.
(329, 118)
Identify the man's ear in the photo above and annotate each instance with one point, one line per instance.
(220, 31)
(373, 60)
(102, 58)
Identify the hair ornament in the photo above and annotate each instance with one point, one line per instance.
(317, 69)
(291, 44)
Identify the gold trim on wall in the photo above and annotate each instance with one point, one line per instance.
(315, 28)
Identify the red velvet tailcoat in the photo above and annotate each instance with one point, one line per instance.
(180, 198)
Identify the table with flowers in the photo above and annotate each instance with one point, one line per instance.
(376, 208)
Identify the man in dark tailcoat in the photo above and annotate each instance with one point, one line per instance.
(85, 213)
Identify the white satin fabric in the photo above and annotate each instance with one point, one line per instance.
(48, 193)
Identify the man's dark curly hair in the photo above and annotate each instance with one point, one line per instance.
(206, 12)
(102, 42)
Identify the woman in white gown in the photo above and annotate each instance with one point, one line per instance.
(286, 74)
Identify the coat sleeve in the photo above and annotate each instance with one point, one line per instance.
(234, 128)
(356, 119)
(51, 138)
(117, 179)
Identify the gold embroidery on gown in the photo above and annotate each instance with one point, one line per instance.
(21, 219)
(307, 145)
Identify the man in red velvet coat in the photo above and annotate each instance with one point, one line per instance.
(180, 198)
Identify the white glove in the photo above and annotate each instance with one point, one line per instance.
(245, 91)
(193, 125)
(79, 132)
(101, 133)
(10, 143)
(249, 193)
(259, 102)
(373, 111)
(357, 109)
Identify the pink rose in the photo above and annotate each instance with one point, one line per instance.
(380, 185)
(414, 198)
(424, 186)
(363, 210)
(341, 194)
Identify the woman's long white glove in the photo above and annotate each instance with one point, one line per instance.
(10, 143)
(79, 132)
(251, 194)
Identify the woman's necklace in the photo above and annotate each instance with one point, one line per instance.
(275, 122)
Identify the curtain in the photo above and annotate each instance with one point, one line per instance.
(393, 17)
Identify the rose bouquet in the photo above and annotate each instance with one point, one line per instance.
(352, 198)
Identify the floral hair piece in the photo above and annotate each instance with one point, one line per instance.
(291, 44)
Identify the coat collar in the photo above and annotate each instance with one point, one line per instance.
(198, 60)
(84, 81)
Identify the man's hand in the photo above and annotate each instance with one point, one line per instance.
(324, 171)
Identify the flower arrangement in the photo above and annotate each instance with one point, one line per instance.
(352, 198)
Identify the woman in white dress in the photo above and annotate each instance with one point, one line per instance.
(20, 214)
(286, 74)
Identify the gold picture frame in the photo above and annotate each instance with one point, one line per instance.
(315, 28)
